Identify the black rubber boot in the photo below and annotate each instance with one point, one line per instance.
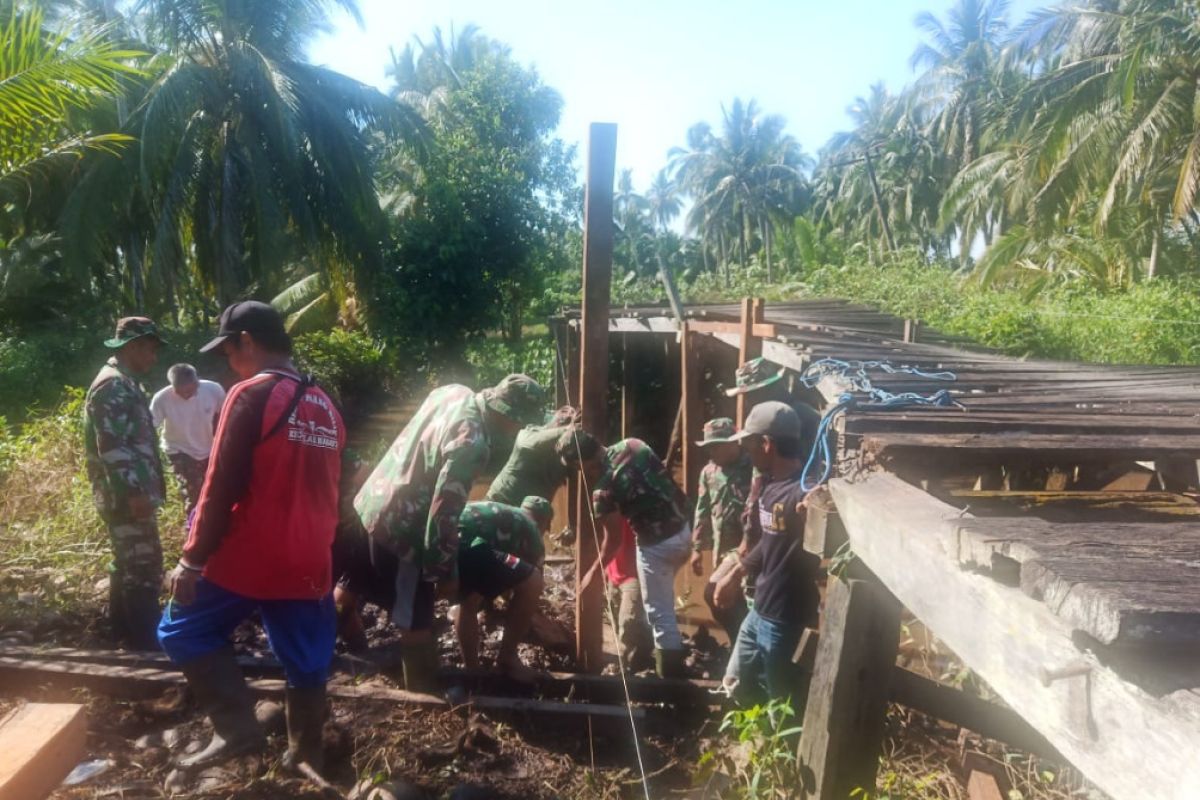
(669, 663)
(305, 723)
(420, 663)
(116, 611)
(142, 613)
(218, 684)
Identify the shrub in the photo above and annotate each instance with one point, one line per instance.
(492, 359)
(351, 366)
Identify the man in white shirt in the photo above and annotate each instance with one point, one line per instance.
(187, 412)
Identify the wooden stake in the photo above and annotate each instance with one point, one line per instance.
(593, 384)
(750, 346)
(693, 408)
(847, 699)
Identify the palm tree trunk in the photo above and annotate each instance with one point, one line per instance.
(765, 227)
(1152, 270)
(887, 229)
(742, 239)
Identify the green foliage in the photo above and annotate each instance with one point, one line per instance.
(766, 741)
(351, 366)
(492, 359)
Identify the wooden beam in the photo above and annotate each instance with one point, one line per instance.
(847, 699)
(764, 330)
(750, 346)
(593, 385)
(41, 743)
(693, 408)
(909, 540)
(626, 388)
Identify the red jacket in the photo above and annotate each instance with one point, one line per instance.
(265, 521)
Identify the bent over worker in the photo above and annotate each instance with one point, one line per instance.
(411, 503)
(261, 542)
(628, 479)
(126, 474)
(501, 550)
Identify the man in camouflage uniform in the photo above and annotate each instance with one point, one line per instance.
(533, 468)
(628, 479)
(763, 381)
(411, 503)
(501, 550)
(121, 451)
(720, 501)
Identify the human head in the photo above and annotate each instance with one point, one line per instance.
(772, 437)
(718, 444)
(578, 448)
(183, 380)
(513, 403)
(252, 336)
(539, 510)
(136, 341)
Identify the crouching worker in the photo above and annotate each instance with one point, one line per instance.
(501, 550)
(261, 542)
(784, 575)
(629, 480)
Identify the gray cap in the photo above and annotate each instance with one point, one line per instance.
(774, 419)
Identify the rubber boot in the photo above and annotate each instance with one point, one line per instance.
(669, 663)
(142, 613)
(116, 610)
(420, 663)
(217, 682)
(305, 723)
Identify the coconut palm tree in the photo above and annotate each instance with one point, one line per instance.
(249, 158)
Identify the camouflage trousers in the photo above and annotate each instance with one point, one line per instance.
(190, 474)
(135, 582)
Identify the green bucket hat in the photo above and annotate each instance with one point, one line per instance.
(518, 397)
(717, 431)
(130, 328)
(539, 508)
(754, 374)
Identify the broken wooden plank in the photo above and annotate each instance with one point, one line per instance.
(1123, 739)
(41, 743)
(847, 699)
(1124, 584)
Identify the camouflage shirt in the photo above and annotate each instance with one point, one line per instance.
(412, 501)
(719, 505)
(533, 468)
(503, 527)
(119, 443)
(636, 483)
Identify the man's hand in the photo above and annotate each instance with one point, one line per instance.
(140, 506)
(729, 588)
(589, 577)
(697, 563)
(183, 585)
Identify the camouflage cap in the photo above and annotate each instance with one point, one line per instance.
(755, 374)
(518, 397)
(539, 508)
(717, 431)
(130, 328)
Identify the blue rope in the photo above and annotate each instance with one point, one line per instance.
(877, 399)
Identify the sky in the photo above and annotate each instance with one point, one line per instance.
(655, 67)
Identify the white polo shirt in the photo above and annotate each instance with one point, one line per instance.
(187, 425)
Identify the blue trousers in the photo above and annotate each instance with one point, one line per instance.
(763, 656)
(301, 632)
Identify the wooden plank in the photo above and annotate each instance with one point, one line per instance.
(1124, 584)
(691, 372)
(1061, 447)
(750, 346)
(1123, 739)
(593, 389)
(847, 699)
(41, 743)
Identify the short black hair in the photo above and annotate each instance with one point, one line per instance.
(576, 445)
(277, 342)
(788, 446)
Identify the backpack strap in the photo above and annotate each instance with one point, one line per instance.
(303, 384)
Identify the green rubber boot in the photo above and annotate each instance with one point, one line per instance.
(306, 712)
(217, 682)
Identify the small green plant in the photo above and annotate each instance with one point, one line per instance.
(762, 761)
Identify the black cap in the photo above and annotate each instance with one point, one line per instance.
(249, 316)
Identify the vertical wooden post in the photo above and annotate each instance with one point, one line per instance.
(693, 408)
(593, 376)
(911, 329)
(750, 346)
(626, 389)
(848, 696)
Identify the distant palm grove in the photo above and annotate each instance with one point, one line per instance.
(169, 156)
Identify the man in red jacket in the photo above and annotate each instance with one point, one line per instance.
(261, 541)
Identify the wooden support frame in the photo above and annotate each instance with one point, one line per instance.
(1124, 739)
(848, 696)
(693, 409)
(593, 383)
(750, 345)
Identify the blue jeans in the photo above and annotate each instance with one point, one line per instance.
(762, 656)
(301, 632)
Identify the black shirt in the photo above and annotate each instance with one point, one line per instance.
(785, 588)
